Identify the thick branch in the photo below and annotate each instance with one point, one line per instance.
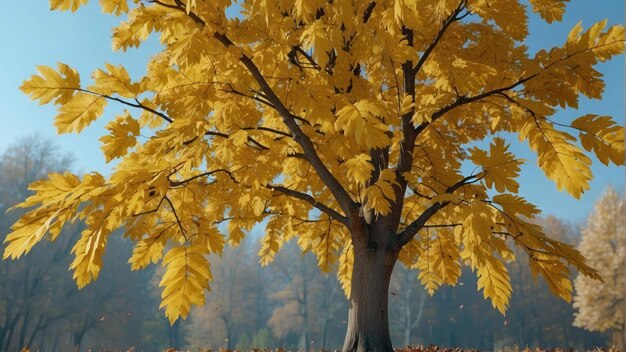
(368, 11)
(410, 231)
(335, 187)
(409, 133)
(299, 136)
(309, 199)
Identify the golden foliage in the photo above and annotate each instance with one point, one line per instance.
(322, 120)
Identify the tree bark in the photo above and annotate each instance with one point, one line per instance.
(22, 338)
(368, 323)
(618, 340)
(11, 327)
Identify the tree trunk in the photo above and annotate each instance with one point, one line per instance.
(408, 319)
(11, 327)
(618, 340)
(31, 339)
(173, 332)
(368, 323)
(22, 338)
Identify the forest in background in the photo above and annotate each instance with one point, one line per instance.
(290, 303)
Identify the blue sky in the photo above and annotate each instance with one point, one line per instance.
(31, 35)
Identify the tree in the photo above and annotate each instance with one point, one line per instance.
(307, 300)
(601, 306)
(409, 308)
(345, 124)
(230, 307)
(38, 296)
(28, 159)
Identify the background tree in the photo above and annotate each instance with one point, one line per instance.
(38, 298)
(345, 124)
(308, 300)
(409, 306)
(602, 306)
(535, 318)
(28, 160)
(230, 311)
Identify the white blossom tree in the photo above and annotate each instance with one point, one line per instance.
(601, 306)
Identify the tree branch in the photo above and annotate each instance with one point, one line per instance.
(410, 231)
(180, 225)
(409, 72)
(309, 199)
(137, 103)
(466, 100)
(289, 119)
(209, 173)
(453, 17)
(368, 11)
(341, 195)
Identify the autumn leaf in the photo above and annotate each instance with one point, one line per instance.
(363, 122)
(116, 7)
(65, 5)
(79, 112)
(52, 86)
(124, 131)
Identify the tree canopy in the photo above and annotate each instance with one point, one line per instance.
(346, 124)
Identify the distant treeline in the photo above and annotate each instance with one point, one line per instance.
(290, 303)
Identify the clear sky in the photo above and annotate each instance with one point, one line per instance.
(31, 35)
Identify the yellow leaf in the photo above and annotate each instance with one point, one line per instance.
(116, 7)
(381, 194)
(305, 9)
(326, 248)
(549, 10)
(363, 121)
(494, 279)
(235, 233)
(22, 239)
(410, 253)
(88, 251)
(314, 38)
(508, 15)
(141, 22)
(406, 105)
(51, 85)
(556, 274)
(270, 244)
(500, 165)
(602, 136)
(186, 277)
(239, 137)
(516, 205)
(359, 168)
(123, 133)
(559, 159)
(344, 272)
(65, 5)
(115, 81)
(79, 112)
(146, 251)
(475, 232)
